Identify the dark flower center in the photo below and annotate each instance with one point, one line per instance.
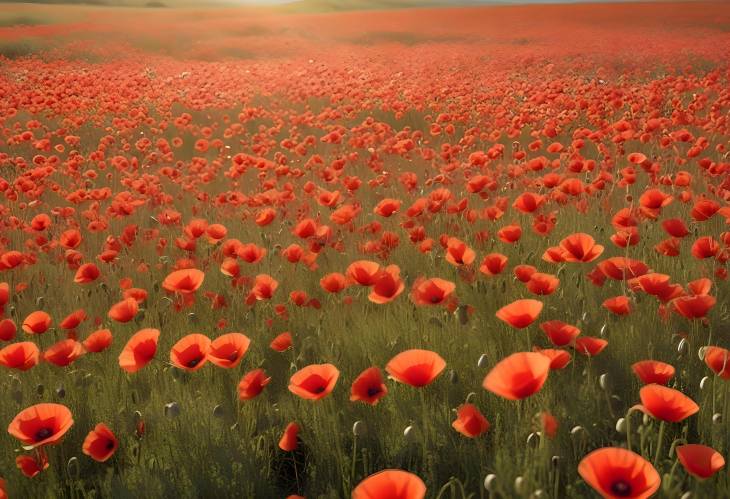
(109, 445)
(233, 357)
(621, 488)
(435, 299)
(373, 390)
(43, 434)
(318, 389)
(194, 362)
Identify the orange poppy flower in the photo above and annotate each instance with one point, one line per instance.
(98, 341)
(388, 286)
(432, 291)
(390, 484)
(185, 281)
(22, 356)
(289, 439)
(700, 286)
(64, 352)
(493, 264)
(523, 272)
(87, 273)
(190, 352)
(510, 234)
(314, 382)
(653, 371)
(518, 376)
(415, 367)
(621, 268)
(387, 207)
(124, 311)
(675, 227)
(37, 322)
(252, 384)
(73, 320)
(100, 444)
(282, 342)
(700, 461)
(41, 424)
(263, 288)
(363, 272)
(616, 473)
(549, 424)
(368, 387)
(718, 359)
(4, 294)
(520, 313)
(250, 253)
(228, 350)
(469, 421)
(666, 404)
(139, 350)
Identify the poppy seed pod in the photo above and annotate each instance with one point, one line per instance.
(409, 433)
(218, 411)
(717, 418)
(604, 382)
(687, 495)
(520, 485)
(704, 382)
(533, 440)
(72, 468)
(621, 426)
(490, 482)
(172, 410)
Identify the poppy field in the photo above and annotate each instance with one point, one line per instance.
(448, 253)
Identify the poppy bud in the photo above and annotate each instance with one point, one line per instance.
(603, 331)
(538, 494)
(17, 396)
(72, 468)
(12, 310)
(520, 485)
(555, 461)
(483, 361)
(60, 391)
(703, 382)
(39, 302)
(645, 420)
(717, 418)
(462, 312)
(172, 410)
(577, 431)
(218, 411)
(621, 426)
(359, 429)
(603, 382)
(40, 389)
(682, 346)
(533, 440)
(193, 318)
(409, 433)
(701, 353)
(490, 482)
(687, 495)
(453, 377)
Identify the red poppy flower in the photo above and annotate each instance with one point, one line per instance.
(185, 281)
(124, 311)
(252, 384)
(37, 322)
(560, 333)
(190, 352)
(139, 350)
(264, 287)
(469, 421)
(518, 376)
(73, 320)
(363, 272)
(666, 404)
(416, 368)
(64, 352)
(388, 286)
(314, 382)
(493, 264)
(100, 444)
(368, 387)
(523, 272)
(718, 359)
(510, 234)
(390, 484)
(580, 247)
(86, 273)
(619, 305)
(675, 227)
(387, 207)
(7, 329)
(282, 342)
(98, 341)
(520, 313)
(558, 358)
(432, 291)
(22, 356)
(228, 350)
(705, 247)
(621, 268)
(589, 345)
(549, 424)
(41, 424)
(458, 253)
(700, 461)
(700, 286)
(653, 371)
(694, 306)
(31, 466)
(289, 439)
(542, 284)
(616, 473)
(333, 283)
